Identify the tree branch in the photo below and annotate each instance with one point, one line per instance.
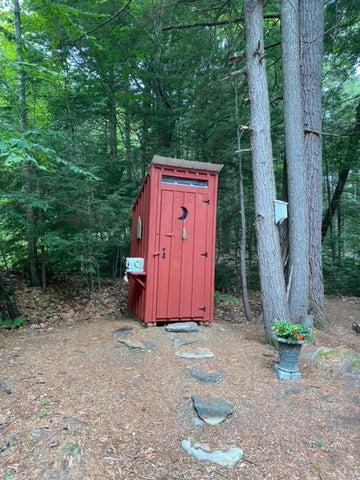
(215, 24)
(102, 24)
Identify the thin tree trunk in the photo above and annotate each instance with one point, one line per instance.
(343, 176)
(296, 169)
(272, 282)
(335, 200)
(112, 118)
(243, 275)
(127, 140)
(339, 234)
(113, 131)
(30, 227)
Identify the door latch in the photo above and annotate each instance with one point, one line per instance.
(184, 234)
(163, 252)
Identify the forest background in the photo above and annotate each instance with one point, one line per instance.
(90, 91)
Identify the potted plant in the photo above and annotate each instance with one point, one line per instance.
(290, 337)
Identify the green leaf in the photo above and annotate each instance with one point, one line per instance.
(7, 323)
(43, 413)
(18, 322)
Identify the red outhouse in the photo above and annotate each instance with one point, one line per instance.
(174, 220)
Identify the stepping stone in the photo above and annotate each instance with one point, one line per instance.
(123, 332)
(204, 377)
(212, 410)
(139, 345)
(4, 389)
(179, 342)
(195, 354)
(182, 327)
(202, 452)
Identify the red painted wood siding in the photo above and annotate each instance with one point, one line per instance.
(179, 250)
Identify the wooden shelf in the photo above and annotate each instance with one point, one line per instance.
(136, 276)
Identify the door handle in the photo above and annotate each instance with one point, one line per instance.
(163, 252)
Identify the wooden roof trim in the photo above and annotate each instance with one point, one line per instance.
(186, 164)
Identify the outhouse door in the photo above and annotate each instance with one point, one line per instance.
(182, 256)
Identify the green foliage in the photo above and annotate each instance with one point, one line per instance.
(73, 449)
(225, 298)
(326, 353)
(293, 332)
(9, 323)
(43, 413)
(46, 400)
(342, 277)
(225, 277)
(104, 92)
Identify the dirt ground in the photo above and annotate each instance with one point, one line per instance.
(77, 403)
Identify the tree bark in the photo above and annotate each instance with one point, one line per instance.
(335, 200)
(311, 31)
(272, 283)
(343, 175)
(296, 169)
(30, 221)
(244, 288)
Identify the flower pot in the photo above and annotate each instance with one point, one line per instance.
(289, 354)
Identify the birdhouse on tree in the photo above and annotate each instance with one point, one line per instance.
(172, 262)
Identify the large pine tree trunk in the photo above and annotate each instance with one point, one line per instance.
(311, 31)
(271, 273)
(296, 169)
(30, 221)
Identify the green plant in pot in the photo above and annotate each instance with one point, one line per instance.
(290, 337)
(291, 332)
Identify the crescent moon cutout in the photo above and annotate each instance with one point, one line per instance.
(184, 213)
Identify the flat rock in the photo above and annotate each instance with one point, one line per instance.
(180, 342)
(203, 453)
(204, 377)
(212, 410)
(138, 345)
(196, 354)
(123, 332)
(182, 327)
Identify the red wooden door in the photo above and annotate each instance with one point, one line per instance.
(183, 259)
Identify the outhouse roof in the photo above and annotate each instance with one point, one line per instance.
(187, 164)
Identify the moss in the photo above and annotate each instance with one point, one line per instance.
(326, 353)
(355, 365)
(353, 359)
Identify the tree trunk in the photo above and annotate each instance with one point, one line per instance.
(113, 131)
(244, 288)
(296, 170)
(127, 139)
(311, 31)
(272, 283)
(335, 200)
(30, 221)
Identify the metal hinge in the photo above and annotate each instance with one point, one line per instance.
(203, 309)
(206, 201)
(204, 254)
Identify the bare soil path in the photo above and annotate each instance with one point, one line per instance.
(77, 404)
